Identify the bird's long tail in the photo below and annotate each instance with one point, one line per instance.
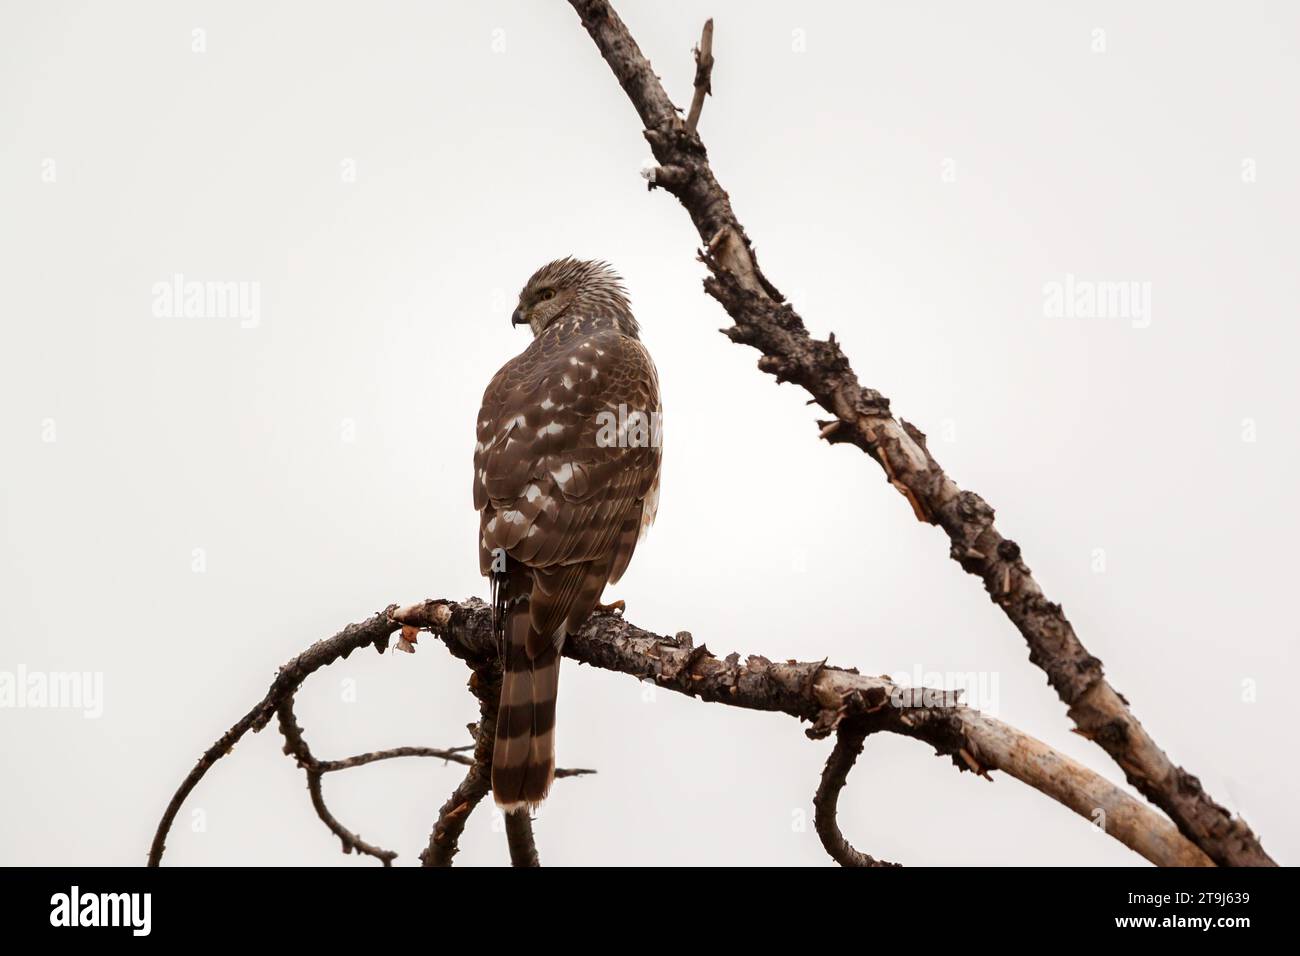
(523, 758)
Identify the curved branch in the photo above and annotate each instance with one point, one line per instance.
(848, 745)
(295, 745)
(373, 632)
(765, 321)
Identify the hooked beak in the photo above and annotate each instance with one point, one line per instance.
(518, 318)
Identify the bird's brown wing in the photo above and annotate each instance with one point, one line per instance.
(557, 486)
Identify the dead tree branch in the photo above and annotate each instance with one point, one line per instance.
(848, 746)
(444, 841)
(373, 632)
(825, 696)
(449, 755)
(862, 417)
(703, 75)
(295, 745)
(519, 837)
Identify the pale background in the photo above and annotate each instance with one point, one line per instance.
(488, 138)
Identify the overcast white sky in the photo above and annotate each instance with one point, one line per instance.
(188, 502)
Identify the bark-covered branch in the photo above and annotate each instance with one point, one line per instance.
(444, 841)
(295, 745)
(703, 75)
(373, 632)
(848, 746)
(519, 837)
(862, 417)
(826, 697)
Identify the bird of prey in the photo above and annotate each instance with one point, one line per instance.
(566, 481)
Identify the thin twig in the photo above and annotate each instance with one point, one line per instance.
(450, 755)
(295, 745)
(703, 75)
(373, 632)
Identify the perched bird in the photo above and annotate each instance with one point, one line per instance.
(566, 481)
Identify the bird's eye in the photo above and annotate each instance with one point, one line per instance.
(548, 294)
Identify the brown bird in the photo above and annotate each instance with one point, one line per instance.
(566, 481)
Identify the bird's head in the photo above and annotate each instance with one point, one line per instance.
(572, 287)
